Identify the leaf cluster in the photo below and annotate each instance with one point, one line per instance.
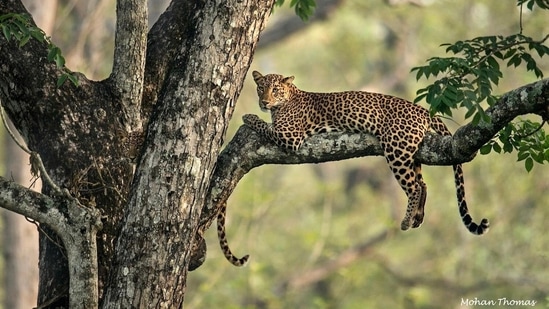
(467, 78)
(19, 28)
(303, 8)
(530, 4)
(470, 76)
(526, 137)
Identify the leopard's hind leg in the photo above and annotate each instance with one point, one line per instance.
(406, 178)
(418, 217)
(404, 170)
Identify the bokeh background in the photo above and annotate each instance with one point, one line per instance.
(327, 235)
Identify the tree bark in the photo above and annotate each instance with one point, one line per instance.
(129, 60)
(184, 136)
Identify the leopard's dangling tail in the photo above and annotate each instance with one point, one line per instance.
(223, 239)
(478, 229)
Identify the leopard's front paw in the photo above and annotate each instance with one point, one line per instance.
(250, 120)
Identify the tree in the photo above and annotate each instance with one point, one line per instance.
(97, 121)
(127, 239)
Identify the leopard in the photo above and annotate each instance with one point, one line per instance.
(398, 124)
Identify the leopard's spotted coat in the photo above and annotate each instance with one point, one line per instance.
(398, 124)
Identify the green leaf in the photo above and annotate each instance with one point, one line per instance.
(61, 80)
(38, 35)
(496, 147)
(24, 40)
(303, 8)
(7, 31)
(515, 60)
(522, 156)
(491, 100)
(507, 147)
(476, 119)
(486, 149)
(420, 97)
(470, 113)
(542, 4)
(538, 157)
(541, 49)
(53, 53)
(73, 79)
(546, 154)
(59, 60)
(528, 164)
(509, 53)
(493, 63)
(419, 72)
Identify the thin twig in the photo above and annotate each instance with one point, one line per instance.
(533, 132)
(5, 122)
(53, 241)
(35, 159)
(520, 18)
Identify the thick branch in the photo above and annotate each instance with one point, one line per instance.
(76, 225)
(162, 49)
(29, 203)
(248, 149)
(129, 59)
(184, 137)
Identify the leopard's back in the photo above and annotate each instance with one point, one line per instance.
(309, 113)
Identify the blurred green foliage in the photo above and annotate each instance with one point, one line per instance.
(300, 224)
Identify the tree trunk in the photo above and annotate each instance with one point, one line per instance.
(184, 137)
(197, 57)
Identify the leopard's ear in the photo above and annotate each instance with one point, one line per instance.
(288, 80)
(257, 76)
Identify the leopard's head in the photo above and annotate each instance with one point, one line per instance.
(273, 90)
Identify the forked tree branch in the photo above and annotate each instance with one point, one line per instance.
(75, 224)
(129, 59)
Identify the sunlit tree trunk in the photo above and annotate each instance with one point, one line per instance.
(183, 141)
(19, 236)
